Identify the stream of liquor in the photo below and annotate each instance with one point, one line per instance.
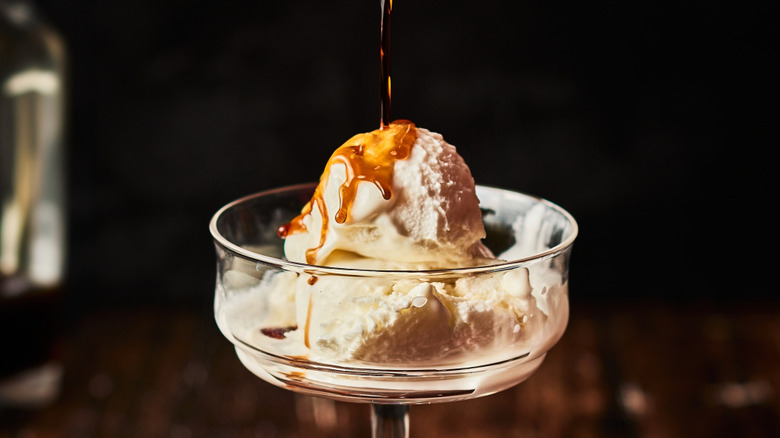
(384, 70)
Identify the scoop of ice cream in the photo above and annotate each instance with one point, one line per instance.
(403, 321)
(416, 322)
(388, 198)
(398, 198)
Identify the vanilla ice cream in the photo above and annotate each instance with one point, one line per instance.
(389, 198)
(375, 320)
(399, 198)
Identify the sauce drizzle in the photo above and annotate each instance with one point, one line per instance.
(307, 326)
(368, 157)
(384, 64)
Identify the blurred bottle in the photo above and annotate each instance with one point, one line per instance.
(32, 216)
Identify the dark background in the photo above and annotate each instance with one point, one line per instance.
(643, 119)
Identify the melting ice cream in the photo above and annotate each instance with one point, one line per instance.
(399, 198)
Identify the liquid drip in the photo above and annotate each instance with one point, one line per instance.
(384, 70)
(368, 157)
(277, 332)
(307, 326)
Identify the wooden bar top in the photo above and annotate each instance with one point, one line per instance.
(633, 370)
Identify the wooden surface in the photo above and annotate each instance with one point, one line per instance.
(644, 370)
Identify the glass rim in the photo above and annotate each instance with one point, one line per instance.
(501, 265)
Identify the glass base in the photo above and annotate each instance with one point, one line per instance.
(388, 386)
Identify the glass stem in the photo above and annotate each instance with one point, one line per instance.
(389, 421)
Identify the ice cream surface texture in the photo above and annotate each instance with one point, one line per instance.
(399, 198)
(389, 198)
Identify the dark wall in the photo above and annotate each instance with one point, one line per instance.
(640, 118)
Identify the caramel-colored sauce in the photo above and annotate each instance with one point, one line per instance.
(277, 332)
(307, 326)
(299, 357)
(384, 64)
(368, 157)
(295, 375)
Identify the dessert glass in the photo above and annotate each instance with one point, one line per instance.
(250, 254)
